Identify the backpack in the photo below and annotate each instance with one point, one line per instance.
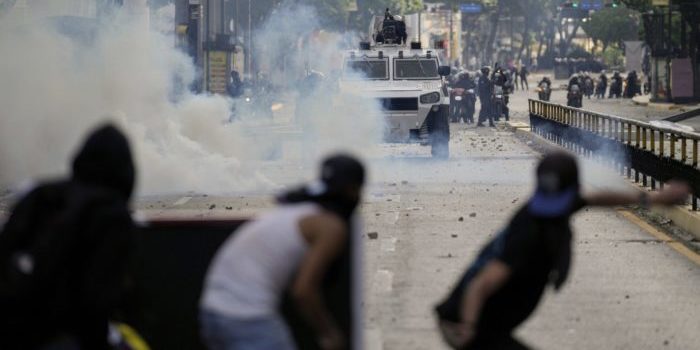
(42, 254)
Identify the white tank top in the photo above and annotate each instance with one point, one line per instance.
(255, 265)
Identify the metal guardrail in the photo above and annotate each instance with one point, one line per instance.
(650, 154)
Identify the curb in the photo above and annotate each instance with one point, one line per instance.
(680, 216)
(644, 102)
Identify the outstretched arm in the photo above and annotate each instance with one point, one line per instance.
(491, 278)
(326, 236)
(674, 193)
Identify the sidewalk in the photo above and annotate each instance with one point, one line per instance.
(644, 100)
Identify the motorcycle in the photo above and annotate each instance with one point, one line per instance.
(462, 105)
(543, 91)
(574, 98)
(471, 105)
(499, 103)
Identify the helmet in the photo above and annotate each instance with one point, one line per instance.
(485, 70)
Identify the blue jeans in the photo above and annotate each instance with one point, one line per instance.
(222, 332)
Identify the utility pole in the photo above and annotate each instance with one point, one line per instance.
(452, 45)
(420, 13)
(249, 60)
(669, 98)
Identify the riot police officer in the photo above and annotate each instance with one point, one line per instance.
(485, 90)
(615, 85)
(502, 83)
(468, 100)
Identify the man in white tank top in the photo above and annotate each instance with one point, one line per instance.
(287, 249)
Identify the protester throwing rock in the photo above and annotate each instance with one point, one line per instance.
(503, 286)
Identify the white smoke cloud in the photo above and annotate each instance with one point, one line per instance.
(54, 89)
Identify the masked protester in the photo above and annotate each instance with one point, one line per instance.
(291, 248)
(64, 249)
(503, 286)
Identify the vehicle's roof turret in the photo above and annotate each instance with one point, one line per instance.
(389, 29)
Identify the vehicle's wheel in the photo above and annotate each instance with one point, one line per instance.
(440, 137)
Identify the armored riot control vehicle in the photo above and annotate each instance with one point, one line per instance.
(406, 80)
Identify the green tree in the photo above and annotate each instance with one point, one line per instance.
(369, 8)
(335, 14)
(613, 56)
(612, 26)
(639, 5)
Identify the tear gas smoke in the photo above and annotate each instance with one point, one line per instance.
(55, 88)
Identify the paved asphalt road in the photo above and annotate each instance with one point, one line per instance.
(628, 289)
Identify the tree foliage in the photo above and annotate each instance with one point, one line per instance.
(613, 57)
(612, 26)
(335, 14)
(331, 13)
(638, 5)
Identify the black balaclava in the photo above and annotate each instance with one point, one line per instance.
(338, 172)
(105, 160)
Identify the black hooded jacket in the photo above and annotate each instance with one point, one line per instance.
(537, 250)
(75, 234)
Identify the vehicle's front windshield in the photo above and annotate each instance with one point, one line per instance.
(366, 68)
(416, 68)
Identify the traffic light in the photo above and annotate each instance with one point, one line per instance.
(571, 9)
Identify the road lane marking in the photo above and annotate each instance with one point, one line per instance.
(383, 281)
(662, 236)
(182, 200)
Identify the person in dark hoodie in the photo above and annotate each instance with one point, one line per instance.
(63, 251)
(288, 250)
(504, 284)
